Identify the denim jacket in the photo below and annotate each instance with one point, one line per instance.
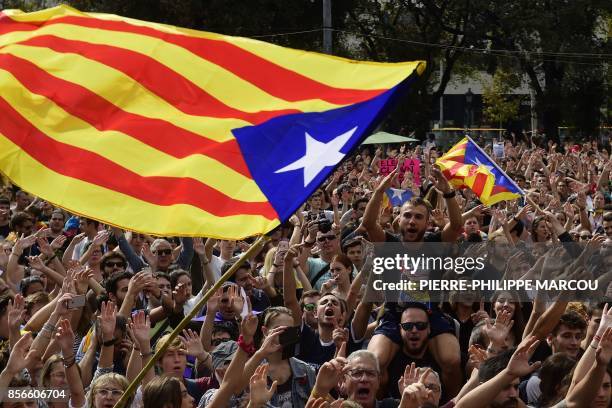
(303, 379)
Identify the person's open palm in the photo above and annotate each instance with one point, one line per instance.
(259, 393)
(519, 365)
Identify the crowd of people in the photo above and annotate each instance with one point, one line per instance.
(84, 306)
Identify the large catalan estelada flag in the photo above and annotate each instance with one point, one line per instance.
(171, 131)
(466, 165)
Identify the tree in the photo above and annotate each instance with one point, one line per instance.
(499, 105)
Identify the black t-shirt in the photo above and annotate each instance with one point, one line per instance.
(283, 397)
(398, 365)
(5, 230)
(312, 351)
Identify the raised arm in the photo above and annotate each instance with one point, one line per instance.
(583, 394)
(518, 367)
(289, 287)
(65, 338)
(186, 255)
(372, 211)
(133, 259)
(451, 231)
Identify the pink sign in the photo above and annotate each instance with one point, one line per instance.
(386, 166)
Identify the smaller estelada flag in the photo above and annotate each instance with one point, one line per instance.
(466, 165)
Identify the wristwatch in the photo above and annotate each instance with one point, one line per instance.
(450, 194)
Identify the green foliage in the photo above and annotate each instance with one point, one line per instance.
(499, 105)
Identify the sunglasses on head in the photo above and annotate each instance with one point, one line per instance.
(326, 238)
(419, 325)
(163, 252)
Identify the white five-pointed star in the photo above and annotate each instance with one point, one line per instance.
(478, 163)
(397, 193)
(319, 155)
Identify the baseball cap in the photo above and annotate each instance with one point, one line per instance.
(223, 352)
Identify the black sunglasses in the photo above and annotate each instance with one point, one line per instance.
(326, 238)
(113, 264)
(419, 326)
(163, 252)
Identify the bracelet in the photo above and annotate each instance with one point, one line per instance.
(16, 254)
(110, 342)
(308, 244)
(598, 338)
(276, 266)
(592, 346)
(450, 194)
(48, 327)
(247, 348)
(69, 362)
(314, 394)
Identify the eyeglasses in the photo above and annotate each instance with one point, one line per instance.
(107, 393)
(111, 264)
(358, 373)
(419, 325)
(310, 307)
(160, 252)
(326, 238)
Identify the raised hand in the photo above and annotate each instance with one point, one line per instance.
(498, 332)
(140, 326)
(340, 335)
(24, 242)
(61, 307)
(248, 327)
(476, 356)
(198, 246)
(480, 315)
(192, 343)
(16, 312)
(389, 180)
(81, 279)
(438, 216)
(44, 247)
(519, 365)
(58, 242)
(21, 355)
(603, 354)
(101, 238)
(411, 376)
(414, 396)
(440, 182)
(36, 262)
(270, 343)
(235, 299)
(107, 320)
(78, 238)
(259, 393)
(212, 305)
(43, 233)
(181, 294)
(65, 337)
(329, 375)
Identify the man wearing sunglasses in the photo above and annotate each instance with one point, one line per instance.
(415, 330)
(317, 269)
(308, 303)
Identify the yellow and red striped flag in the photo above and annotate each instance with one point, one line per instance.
(466, 165)
(171, 131)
